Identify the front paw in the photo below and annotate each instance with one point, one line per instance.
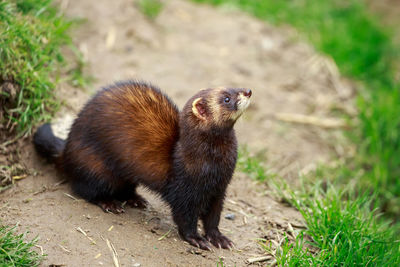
(219, 240)
(198, 241)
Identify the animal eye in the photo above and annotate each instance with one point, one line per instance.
(227, 99)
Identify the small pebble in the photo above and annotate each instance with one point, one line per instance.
(136, 265)
(230, 216)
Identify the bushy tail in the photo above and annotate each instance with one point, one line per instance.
(47, 144)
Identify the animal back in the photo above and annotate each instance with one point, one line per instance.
(139, 126)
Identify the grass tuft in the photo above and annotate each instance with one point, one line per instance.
(31, 35)
(380, 149)
(15, 251)
(342, 228)
(151, 8)
(293, 253)
(253, 165)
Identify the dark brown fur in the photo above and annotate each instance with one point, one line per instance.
(131, 134)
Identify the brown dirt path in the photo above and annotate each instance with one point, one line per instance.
(188, 47)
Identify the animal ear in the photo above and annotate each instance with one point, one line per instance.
(199, 108)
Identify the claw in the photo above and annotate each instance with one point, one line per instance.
(199, 242)
(110, 207)
(231, 246)
(219, 240)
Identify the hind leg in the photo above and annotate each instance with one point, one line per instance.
(97, 192)
(133, 199)
(96, 189)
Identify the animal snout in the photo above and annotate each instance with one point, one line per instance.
(247, 93)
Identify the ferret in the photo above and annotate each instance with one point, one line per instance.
(131, 133)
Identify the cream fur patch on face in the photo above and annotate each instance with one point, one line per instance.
(243, 102)
(242, 105)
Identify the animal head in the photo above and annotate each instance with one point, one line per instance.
(219, 106)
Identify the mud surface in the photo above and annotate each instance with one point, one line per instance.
(188, 47)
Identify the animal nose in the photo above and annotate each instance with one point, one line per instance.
(247, 93)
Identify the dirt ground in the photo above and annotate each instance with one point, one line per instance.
(188, 47)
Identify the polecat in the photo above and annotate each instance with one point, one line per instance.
(131, 133)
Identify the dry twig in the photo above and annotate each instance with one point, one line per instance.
(258, 259)
(84, 233)
(113, 252)
(164, 235)
(64, 248)
(41, 249)
(70, 196)
(311, 120)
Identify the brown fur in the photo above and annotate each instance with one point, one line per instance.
(141, 129)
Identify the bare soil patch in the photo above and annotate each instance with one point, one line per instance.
(188, 47)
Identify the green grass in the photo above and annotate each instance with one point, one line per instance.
(343, 230)
(14, 251)
(253, 165)
(380, 149)
(150, 8)
(220, 262)
(342, 226)
(32, 33)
